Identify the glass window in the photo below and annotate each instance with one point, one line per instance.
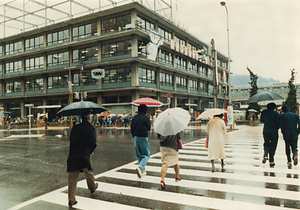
(84, 54)
(58, 37)
(35, 42)
(181, 82)
(12, 48)
(58, 59)
(14, 86)
(166, 79)
(34, 84)
(84, 31)
(147, 76)
(144, 24)
(34, 63)
(12, 67)
(116, 48)
(58, 81)
(117, 75)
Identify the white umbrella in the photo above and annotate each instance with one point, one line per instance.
(171, 121)
(209, 113)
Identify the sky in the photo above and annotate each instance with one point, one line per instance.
(263, 34)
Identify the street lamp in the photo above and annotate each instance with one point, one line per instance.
(223, 3)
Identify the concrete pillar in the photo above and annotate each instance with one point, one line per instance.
(134, 46)
(45, 84)
(99, 98)
(134, 75)
(22, 105)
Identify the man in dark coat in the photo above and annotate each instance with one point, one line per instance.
(290, 127)
(82, 146)
(270, 118)
(139, 129)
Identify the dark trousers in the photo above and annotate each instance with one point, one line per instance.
(291, 144)
(270, 145)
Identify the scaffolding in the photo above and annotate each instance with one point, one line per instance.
(17, 16)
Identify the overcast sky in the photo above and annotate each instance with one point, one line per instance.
(264, 34)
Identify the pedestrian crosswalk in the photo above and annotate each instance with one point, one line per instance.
(245, 183)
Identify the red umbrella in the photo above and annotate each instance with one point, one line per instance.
(149, 102)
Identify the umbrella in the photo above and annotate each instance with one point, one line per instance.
(6, 112)
(150, 102)
(171, 121)
(77, 108)
(209, 113)
(264, 96)
(252, 110)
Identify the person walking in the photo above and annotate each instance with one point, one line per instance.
(270, 118)
(46, 122)
(290, 128)
(216, 130)
(82, 146)
(139, 129)
(169, 156)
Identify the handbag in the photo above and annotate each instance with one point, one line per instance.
(179, 142)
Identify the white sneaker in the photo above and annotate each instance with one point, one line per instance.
(144, 174)
(139, 172)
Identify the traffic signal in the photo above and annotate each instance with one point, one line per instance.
(201, 54)
(85, 95)
(76, 95)
(224, 89)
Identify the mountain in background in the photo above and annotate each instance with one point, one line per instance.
(243, 80)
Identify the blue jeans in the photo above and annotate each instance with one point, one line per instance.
(142, 151)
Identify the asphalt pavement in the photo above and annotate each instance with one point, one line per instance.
(37, 164)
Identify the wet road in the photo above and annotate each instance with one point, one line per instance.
(245, 183)
(32, 166)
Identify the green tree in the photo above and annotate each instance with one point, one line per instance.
(253, 91)
(253, 82)
(291, 100)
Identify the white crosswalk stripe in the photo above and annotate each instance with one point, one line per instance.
(246, 183)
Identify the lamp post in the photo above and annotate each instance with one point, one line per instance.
(229, 88)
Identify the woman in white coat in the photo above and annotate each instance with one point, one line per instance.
(216, 130)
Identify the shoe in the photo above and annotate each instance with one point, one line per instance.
(163, 185)
(213, 169)
(295, 161)
(289, 164)
(177, 179)
(139, 172)
(223, 165)
(144, 174)
(272, 164)
(96, 186)
(72, 203)
(264, 160)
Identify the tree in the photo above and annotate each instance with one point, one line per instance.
(253, 91)
(291, 100)
(253, 82)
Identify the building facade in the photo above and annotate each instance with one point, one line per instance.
(142, 54)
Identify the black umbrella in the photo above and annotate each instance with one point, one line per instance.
(264, 96)
(78, 107)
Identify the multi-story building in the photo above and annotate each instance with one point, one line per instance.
(142, 53)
